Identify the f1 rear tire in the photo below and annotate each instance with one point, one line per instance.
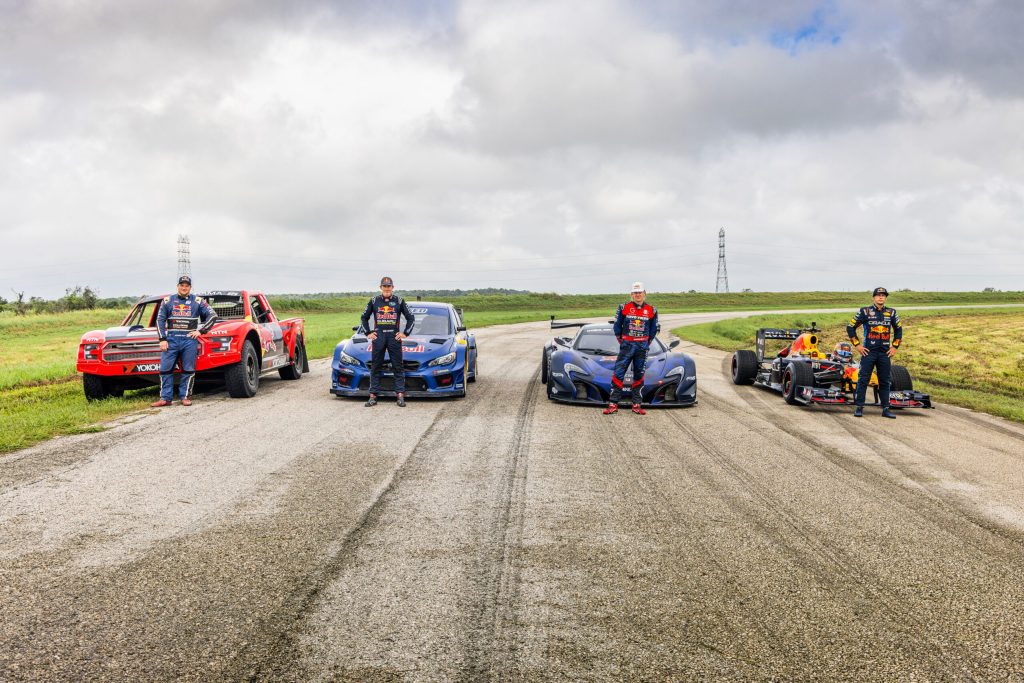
(744, 367)
(795, 376)
(243, 378)
(901, 380)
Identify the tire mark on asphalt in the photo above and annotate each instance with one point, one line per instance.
(492, 653)
(826, 559)
(670, 509)
(275, 652)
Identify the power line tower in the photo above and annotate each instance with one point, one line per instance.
(184, 256)
(722, 283)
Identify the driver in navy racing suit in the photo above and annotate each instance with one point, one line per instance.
(181, 320)
(386, 336)
(636, 324)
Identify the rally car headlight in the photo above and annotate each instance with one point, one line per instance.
(90, 351)
(572, 367)
(446, 359)
(348, 360)
(220, 344)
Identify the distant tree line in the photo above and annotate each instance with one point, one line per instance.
(75, 299)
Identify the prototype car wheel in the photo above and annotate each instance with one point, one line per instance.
(744, 367)
(901, 380)
(544, 367)
(243, 378)
(294, 371)
(796, 375)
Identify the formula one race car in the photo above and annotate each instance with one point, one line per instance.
(805, 375)
(579, 369)
(247, 340)
(439, 358)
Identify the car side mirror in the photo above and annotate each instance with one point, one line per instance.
(560, 341)
(460, 329)
(674, 343)
(358, 339)
(356, 328)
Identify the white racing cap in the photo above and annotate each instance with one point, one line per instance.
(637, 287)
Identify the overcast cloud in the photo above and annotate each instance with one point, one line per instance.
(555, 146)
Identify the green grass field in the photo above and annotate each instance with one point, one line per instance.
(971, 358)
(41, 395)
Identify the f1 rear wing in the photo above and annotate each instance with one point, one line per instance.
(779, 334)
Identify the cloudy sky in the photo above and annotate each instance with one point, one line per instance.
(553, 146)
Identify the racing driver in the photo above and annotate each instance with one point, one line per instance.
(182, 318)
(386, 336)
(883, 334)
(636, 323)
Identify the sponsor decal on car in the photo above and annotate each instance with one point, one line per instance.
(413, 349)
(147, 367)
(419, 311)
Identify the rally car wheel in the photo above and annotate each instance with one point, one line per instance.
(543, 367)
(243, 378)
(797, 375)
(472, 378)
(95, 390)
(294, 371)
(744, 367)
(901, 380)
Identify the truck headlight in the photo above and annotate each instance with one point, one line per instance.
(446, 359)
(91, 351)
(220, 344)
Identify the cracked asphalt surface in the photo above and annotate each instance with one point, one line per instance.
(299, 537)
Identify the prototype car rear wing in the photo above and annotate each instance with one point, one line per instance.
(559, 324)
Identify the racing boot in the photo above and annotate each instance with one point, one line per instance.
(612, 408)
(160, 404)
(401, 400)
(638, 410)
(371, 402)
(888, 413)
(187, 401)
(858, 411)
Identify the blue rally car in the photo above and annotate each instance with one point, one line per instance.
(579, 369)
(439, 357)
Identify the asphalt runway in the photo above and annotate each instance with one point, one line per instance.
(300, 537)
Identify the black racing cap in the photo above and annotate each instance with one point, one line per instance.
(185, 280)
(386, 281)
(880, 290)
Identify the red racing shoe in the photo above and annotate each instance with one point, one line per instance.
(612, 408)
(160, 404)
(638, 410)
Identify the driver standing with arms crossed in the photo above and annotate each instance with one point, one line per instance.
(636, 323)
(883, 333)
(386, 336)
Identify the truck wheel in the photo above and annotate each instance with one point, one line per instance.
(243, 378)
(744, 367)
(901, 380)
(294, 371)
(95, 389)
(544, 367)
(796, 375)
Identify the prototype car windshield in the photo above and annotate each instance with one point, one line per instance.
(431, 322)
(604, 343)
